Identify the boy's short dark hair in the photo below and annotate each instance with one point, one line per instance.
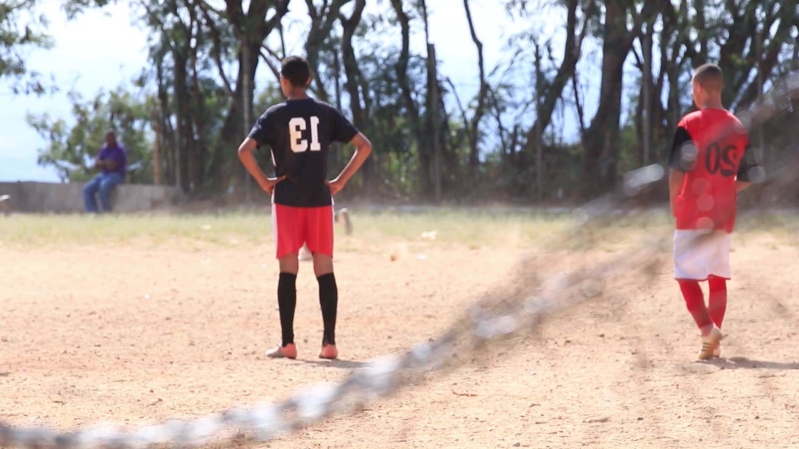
(296, 70)
(710, 77)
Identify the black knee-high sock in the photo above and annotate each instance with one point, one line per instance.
(328, 300)
(287, 302)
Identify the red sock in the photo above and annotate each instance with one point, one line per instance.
(717, 301)
(695, 300)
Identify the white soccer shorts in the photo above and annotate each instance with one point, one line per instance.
(699, 254)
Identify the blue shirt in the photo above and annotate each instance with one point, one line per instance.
(114, 153)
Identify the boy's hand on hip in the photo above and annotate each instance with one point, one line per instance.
(335, 186)
(268, 185)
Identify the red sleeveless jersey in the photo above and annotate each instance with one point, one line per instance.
(711, 147)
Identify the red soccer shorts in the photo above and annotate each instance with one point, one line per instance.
(295, 226)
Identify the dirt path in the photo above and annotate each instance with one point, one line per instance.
(131, 335)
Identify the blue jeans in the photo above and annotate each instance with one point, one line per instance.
(102, 184)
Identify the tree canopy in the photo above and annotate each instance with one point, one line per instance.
(631, 60)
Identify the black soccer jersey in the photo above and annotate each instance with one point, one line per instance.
(300, 133)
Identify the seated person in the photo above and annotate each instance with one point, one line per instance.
(112, 162)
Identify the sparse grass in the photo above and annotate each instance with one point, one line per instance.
(373, 230)
(473, 230)
(451, 227)
(45, 230)
(781, 223)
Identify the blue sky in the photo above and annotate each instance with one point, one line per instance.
(103, 49)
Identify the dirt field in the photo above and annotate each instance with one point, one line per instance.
(129, 333)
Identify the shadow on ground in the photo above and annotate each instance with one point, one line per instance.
(745, 363)
(343, 364)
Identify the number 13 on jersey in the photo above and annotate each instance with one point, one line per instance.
(296, 126)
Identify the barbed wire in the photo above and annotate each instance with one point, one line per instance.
(492, 319)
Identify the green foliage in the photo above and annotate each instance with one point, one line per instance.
(21, 29)
(267, 97)
(72, 149)
(197, 76)
(75, 7)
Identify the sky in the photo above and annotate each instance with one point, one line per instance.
(102, 49)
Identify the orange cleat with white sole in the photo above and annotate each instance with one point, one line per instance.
(328, 352)
(283, 352)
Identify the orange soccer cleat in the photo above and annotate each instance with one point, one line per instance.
(283, 352)
(328, 352)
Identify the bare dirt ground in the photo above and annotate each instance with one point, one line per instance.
(132, 334)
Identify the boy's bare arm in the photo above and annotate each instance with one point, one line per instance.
(363, 148)
(676, 178)
(245, 155)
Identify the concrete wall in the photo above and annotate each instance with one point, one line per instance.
(42, 197)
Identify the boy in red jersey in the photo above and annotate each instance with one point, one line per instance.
(710, 162)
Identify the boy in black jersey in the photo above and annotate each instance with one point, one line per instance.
(299, 132)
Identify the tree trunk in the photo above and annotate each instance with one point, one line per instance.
(479, 110)
(338, 148)
(539, 141)
(552, 91)
(701, 28)
(231, 130)
(166, 129)
(252, 29)
(183, 128)
(423, 145)
(157, 165)
(322, 21)
(646, 96)
(199, 154)
(352, 85)
(600, 153)
(732, 58)
(434, 119)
